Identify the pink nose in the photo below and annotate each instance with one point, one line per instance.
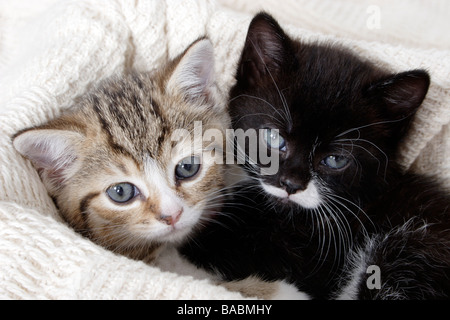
(171, 219)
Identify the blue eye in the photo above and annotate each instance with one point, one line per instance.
(274, 140)
(122, 192)
(187, 168)
(336, 162)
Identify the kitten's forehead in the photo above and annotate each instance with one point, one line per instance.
(137, 116)
(138, 119)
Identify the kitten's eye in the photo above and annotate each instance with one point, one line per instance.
(336, 162)
(274, 140)
(122, 192)
(187, 168)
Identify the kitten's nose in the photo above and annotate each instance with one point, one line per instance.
(290, 186)
(172, 218)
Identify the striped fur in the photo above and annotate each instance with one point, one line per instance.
(121, 132)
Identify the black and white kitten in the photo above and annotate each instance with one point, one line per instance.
(339, 218)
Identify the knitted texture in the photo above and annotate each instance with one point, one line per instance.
(52, 51)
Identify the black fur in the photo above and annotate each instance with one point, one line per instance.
(327, 101)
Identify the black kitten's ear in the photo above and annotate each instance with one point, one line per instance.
(265, 50)
(403, 93)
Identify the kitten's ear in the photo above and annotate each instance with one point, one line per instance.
(52, 152)
(403, 93)
(265, 50)
(194, 74)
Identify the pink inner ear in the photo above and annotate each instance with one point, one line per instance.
(56, 174)
(52, 152)
(194, 74)
(55, 165)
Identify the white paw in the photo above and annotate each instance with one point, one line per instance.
(287, 291)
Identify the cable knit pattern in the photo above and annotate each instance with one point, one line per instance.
(52, 51)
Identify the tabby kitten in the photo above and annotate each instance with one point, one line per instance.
(339, 218)
(117, 175)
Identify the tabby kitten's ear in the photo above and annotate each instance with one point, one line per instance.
(266, 49)
(52, 152)
(194, 75)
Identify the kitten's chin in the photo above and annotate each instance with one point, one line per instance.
(309, 198)
(176, 236)
(169, 234)
(173, 234)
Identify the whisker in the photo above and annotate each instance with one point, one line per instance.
(339, 200)
(386, 158)
(282, 97)
(277, 111)
(370, 125)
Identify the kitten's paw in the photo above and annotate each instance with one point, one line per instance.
(268, 290)
(287, 291)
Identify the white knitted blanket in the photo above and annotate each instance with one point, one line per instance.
(52, 51)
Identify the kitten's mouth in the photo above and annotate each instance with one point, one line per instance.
(309, 198)
(285, 201)
(162, 233)
(176, 232)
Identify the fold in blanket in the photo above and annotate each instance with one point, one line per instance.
(54, 51)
